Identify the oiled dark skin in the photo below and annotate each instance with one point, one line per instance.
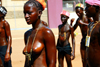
(93, 51)
(44, 48)
(82, 22)
(5, 36)
(63, 41)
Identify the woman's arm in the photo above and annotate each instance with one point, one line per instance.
(9, 40)
(83, 23)
(26, 39)
(50, 47)
(58, 35)
(76, 25)
(73, 43)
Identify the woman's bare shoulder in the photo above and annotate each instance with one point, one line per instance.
(47, 30)
(5, 22)
(44, 23)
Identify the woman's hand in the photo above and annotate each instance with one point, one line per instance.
(7, 57)
(73, 56)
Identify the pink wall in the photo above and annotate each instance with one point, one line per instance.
(54, 10)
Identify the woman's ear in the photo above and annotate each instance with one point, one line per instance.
(40, 12)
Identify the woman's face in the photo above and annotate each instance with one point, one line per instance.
(79, 12)
(64, 18)
(30, 14)
(90, 10)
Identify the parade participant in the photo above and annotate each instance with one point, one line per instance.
(5, 39)
(40, 49)
(93, 50)
(82, 22)
(63, 45)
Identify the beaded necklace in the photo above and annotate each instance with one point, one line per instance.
(92, 26)
(28, 55)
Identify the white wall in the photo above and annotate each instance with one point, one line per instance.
(11, 5)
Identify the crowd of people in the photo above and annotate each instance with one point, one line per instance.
(40, 48)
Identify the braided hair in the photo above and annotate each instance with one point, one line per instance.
(35, 3)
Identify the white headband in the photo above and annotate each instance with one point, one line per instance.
(3, 11)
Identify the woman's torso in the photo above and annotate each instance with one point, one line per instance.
(38, 48)
(83, 27)
(3, 37)
(94, 48)
(64, 34)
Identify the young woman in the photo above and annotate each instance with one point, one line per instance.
(93, 50)
(63, 45)
(5, 39)
(40, 49)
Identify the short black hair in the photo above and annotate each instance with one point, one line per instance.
(35, 3)
(78, 7)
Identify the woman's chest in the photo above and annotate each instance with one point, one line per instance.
(63, 32)
(1, 27)
(36, 42)
(64, 29)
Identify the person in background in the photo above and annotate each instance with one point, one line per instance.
(40, 49)
(82, 22)
(93, 50)
(5, 39)
(63, 44)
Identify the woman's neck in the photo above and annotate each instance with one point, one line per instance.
(81, 17)
(97, 17)
(64, 23)
(1, 19)
(36, 25)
